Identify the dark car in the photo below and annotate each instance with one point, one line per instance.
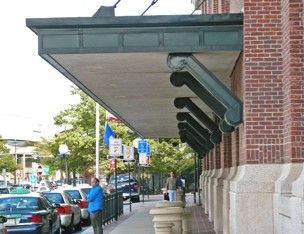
(4, 190)
(29, 213)
(127, 186)
(3, 229)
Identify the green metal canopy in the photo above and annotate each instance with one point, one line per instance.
(121, 62)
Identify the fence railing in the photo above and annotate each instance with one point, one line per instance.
(113, 207)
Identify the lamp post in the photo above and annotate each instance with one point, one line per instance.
(64, 153)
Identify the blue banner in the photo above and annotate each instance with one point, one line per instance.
(142, 146)
(108, 132)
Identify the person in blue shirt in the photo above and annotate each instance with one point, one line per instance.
(95, 200)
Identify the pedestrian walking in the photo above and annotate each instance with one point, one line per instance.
(171, 186)
(96, 200)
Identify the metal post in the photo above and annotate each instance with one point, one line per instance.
(66, 170)
(143, 185)
(130, 200)
(16, 158)
(97, 124)
(198, 180)
(194, 198)
(116, 194)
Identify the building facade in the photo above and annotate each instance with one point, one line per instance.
(253, 181)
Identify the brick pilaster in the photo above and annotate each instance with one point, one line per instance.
(225, 6)
(262, 82)
(293, 75)
(226, 152)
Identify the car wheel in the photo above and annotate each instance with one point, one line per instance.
(78, 226)
(87, 221)
(135, 199)
(69, 229)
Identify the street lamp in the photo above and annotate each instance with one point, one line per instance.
(63, 154)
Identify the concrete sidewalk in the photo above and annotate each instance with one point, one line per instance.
(139, 221)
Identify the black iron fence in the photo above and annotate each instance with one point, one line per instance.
(113, 207)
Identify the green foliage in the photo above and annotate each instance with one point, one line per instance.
(7, 161)
(79, 135)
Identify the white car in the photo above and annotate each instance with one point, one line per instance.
(70, 214)
(82, 201)
(45, 186)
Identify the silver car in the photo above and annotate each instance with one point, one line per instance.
(70, 214)
(82, 200)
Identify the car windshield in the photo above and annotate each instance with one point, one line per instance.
(75, 194)
(54, 197)
(18, 203)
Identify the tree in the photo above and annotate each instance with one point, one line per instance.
(78, 122)
(7, 161)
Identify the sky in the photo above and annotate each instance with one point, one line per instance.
(32, 92)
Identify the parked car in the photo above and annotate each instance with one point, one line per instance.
(4, 190)
(128, 187)
(3, 229)
(44, 186)
(82, 201)
(70, 214)
(29, 213)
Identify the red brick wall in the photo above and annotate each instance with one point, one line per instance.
(226, 152)
(215, 7)
(263, 95)
(217, 155)
(293, 75)
(235, 149)
(225, 6)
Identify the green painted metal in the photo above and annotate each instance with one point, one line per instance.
(180, 78)
(206, 144)
(187, 138)
(184, 116)
(183, 33)
(215, 133)
(233, 115)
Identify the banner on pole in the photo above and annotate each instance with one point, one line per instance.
(128, 153)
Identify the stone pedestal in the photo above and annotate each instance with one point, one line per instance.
(180, 196)
(187, 222)
(166, 204)
(211, 195)
(163, 228)
(251, 199)
(218, 200)
(226, 198)
(169, 215)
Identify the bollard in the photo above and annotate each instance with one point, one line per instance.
(187, 222)
(168, 215)
(180, 196)
(169, 204)
(163, 228)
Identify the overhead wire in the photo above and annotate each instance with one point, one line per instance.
(152, 3)
(198, 6)
(115, 5)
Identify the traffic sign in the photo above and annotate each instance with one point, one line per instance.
(46, 170)
(115, 147)
(18, 172)
(39, 170)
(142, 146)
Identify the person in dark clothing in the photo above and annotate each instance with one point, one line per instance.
(95, 200)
